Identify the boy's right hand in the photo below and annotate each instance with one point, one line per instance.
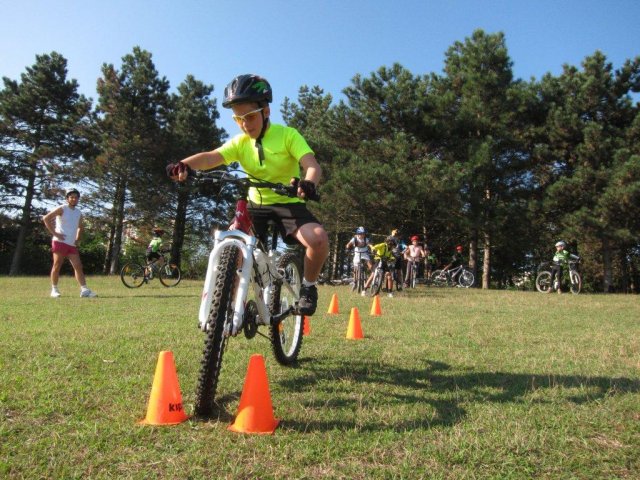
(178, 171)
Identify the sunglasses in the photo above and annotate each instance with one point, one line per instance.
(247, 117)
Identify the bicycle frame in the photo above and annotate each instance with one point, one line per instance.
(241, 237)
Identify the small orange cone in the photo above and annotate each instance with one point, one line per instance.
(306, 327)
(165, 401)
(375, 307)
(255, 412)
(354, 331)
(333, 306)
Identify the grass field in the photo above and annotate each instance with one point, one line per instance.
(448, 383)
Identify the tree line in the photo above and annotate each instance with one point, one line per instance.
(469, 156)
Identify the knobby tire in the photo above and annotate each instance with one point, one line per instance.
(286, 335)
(169, 275)
(132, 275)
(220, 315)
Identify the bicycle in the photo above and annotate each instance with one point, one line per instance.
(134, 274)
(442, 278)
(543, 280)
(359, 273)
(238, 263)
(412, 276)
(379, 276)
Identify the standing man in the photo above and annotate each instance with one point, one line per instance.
(65, 225)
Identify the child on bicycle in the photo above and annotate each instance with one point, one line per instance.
(560, 258)
(154, 252)
(384, 252)
(278, 154)
(456, 261)
(360, 245)
(413, 254)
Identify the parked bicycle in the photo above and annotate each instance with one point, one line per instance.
(240, 263)
(134, 274)
(543, 280)
(459, 276)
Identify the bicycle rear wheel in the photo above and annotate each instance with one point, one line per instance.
(218, 328)
(132, 275)
(170, 275)
(286, 335)
(439, 278)
(543, 281)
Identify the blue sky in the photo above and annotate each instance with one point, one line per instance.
(303, 42)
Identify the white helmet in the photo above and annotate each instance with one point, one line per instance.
(561, 244)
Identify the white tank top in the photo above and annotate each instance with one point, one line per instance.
(67, 224)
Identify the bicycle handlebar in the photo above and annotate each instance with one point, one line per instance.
(226, 176)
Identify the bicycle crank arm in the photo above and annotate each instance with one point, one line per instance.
(281, 316)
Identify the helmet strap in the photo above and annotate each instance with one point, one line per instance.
(265, 124)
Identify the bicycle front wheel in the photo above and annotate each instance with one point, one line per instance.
(132, 275)
(170, 275)
(543, 281)
(218, 329)
(286, 335)
(376, 283)
(576, 282)
(466, 279)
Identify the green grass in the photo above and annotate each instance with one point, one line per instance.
(448, 383)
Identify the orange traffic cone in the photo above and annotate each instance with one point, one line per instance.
(306, 327)
(255, 412)
(333, 306)
(165, 401)
(375, 307)
(354, 331)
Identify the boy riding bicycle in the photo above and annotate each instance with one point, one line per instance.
(274, 153)
(560, 259)
(456, 261)
(384, 252)
(360, 245)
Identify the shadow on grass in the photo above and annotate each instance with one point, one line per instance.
(438, 386)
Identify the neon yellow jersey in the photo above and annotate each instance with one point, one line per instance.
(283, 148)
(381, 250)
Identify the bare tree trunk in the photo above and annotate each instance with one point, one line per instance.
(486, 264)
(607, 286)
(624, 270)
(118, 205)
(473, 255)
(25, 224)
(179, 227)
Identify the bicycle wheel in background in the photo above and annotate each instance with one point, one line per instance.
(132, 275)
(439, 278)
(376, 283)
(543, 281)
(169, 275)
(466, 279)
(286, 335)
(576, 282)
(218, 329)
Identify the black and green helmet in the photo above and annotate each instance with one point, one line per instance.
(247, 88)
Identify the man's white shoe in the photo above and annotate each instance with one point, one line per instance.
(55, 294)
(87, 293)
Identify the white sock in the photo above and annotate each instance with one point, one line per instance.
(54, 288)
(307, 283)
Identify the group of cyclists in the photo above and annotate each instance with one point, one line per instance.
(398, 260)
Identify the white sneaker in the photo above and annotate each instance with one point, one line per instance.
(390, 295)
(55, 293)
(363, 293)
(85, 292)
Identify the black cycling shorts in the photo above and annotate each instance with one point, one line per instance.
(288, 218)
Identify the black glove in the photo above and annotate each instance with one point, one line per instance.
(309, 189)
(175, 169)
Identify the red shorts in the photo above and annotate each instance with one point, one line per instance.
(62, 248)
